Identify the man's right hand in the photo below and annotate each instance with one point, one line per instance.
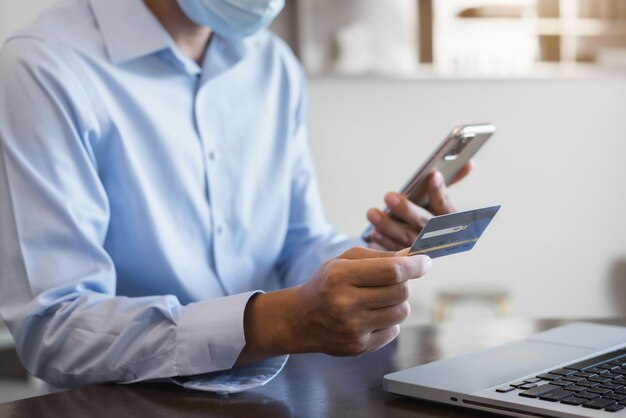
(352, 305)
(355, 303)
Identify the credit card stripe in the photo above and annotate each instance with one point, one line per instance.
(445, 231)
(441, 247)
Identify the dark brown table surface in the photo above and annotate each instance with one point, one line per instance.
(311, 385)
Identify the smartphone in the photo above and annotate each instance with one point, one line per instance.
(461, 144)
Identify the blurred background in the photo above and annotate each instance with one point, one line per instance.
(389, 79)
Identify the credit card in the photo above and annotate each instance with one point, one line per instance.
(453, 233)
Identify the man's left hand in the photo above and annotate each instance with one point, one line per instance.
(399, 228)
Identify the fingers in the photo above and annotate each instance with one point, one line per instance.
(384, 318)
(356, 302)
(403, 253)
(382, 296)
(440, 203)
(398, 228)
(358, 253)
(410, 213)
(369, 342)
(376, 246)
(379, 271)
(467, 168)
(388, 243)
(380, 338)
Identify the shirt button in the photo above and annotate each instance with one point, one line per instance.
(212, 155)
(220, 230)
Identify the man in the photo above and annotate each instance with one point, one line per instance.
(158, 204)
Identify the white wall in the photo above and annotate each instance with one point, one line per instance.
(556, 165)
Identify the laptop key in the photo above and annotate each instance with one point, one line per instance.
(588, 384)
(549, 376)
(609, 367)
(575, 388)
(505, 389)
(614, 396)
(588, 395)
(614, 408)
(573, 400)
(596, 370)
(573, 379)
(618, 362)
(527, 386)
(599, 379)
(556, 395)
(532, 380)
(585, 364)
(600, 391)
(611, 386)
(562, 383)
(538, 391)
(562, 372)
(586, 375)
(599, 403)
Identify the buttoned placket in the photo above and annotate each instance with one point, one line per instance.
(208, 134)
(210, 104)
(207, 137)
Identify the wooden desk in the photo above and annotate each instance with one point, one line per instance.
(311, 385)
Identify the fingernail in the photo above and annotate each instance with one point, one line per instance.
(428, 263)
(392, 200)
(438, 179)
(377, 237)
(373, 216)
(402, 253)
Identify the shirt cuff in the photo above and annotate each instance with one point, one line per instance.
(236, 380)
(210, 334)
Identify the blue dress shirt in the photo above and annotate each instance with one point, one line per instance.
(145, 198)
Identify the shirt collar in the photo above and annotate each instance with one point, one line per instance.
(224, 54)
(141, 36)
(131, 31)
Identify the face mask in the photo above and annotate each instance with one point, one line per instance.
(234, 19)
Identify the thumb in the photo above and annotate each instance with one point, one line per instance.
(402, 253)
(360, 253)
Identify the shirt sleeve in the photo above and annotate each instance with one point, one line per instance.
(311, 239)
(57, 282)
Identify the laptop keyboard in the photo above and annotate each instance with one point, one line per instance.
(596, 383)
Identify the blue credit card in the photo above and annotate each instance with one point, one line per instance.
(453, 233)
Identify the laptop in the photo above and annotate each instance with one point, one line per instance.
(576, 370)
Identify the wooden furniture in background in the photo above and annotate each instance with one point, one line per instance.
(566, 32)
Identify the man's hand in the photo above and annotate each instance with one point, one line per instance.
(355, 303)
(351, 306)
(399, 228)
